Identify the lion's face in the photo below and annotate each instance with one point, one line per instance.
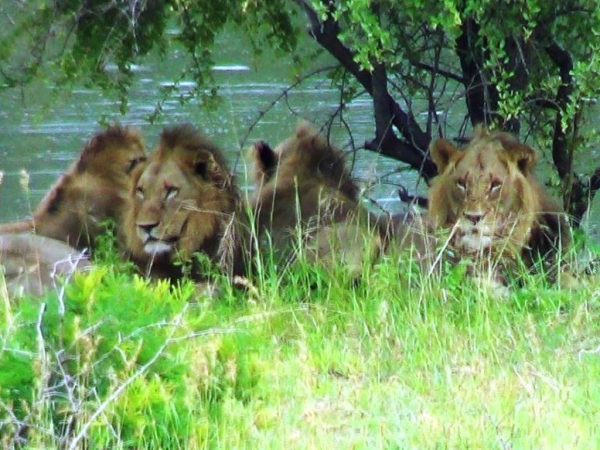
(172, 210)
(483, 194)
(181, 201)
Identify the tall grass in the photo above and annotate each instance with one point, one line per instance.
(306, 358)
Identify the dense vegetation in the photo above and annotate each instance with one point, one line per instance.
(301, 359)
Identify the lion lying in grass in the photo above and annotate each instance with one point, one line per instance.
(493, 208)
(184, 201)
(307, 204)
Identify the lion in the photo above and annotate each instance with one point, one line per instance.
(90, 192)
(30, 264)
(306, 201)
(493, 207)
(183, 201)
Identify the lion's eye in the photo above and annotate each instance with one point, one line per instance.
(462, 184)
(134, 163)
(139, 193)
(171, 193)
(495, 186)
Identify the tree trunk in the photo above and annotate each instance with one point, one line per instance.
(412, 148)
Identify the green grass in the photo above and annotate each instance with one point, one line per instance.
(304, 358)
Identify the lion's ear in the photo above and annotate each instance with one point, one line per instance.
(134, 163)
(523, 156)
(442, 152)
(201, 169)
(207, 167)
(265, 160)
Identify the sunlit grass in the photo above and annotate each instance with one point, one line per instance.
(308, 359)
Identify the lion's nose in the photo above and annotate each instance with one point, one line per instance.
(474, 217)
(147, 227)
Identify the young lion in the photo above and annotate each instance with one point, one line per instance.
(90, 192)
(488, 199)
(184, 201)
(306, 201)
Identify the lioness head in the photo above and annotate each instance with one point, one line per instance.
(183, 200)
(484, 194)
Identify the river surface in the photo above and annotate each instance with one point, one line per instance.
(40, 136)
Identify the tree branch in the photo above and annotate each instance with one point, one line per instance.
(386, 142)
(481, 98)
(437, 71)
(326, 34)
(560, 153)
(413, 148)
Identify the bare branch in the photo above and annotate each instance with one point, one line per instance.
(414, 147)
(560, 153)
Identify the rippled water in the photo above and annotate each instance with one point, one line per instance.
(42, 140)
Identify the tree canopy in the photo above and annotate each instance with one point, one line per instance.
(527, 66)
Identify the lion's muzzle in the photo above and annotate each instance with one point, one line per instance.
(153, 242)
(473, 234)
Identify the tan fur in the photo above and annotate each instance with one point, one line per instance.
(32, 264)
(411, 234)
(488, 199)
(91, 191)
(305, 200)
(182, 201)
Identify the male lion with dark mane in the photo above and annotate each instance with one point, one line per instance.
(91, 191)
(495, 210)
(306, 201)
(183, 201)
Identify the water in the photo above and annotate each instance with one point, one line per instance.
(42, 136)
